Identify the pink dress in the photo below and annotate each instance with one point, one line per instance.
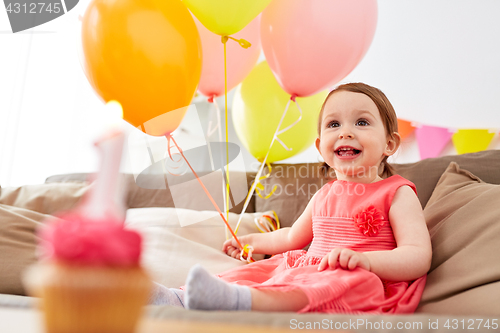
(348, 215)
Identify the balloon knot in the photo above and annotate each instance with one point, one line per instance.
(224, 39)
(211, 99)
(293, 97)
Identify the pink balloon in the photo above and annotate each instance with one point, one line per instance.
(239, 61)
(311, 45)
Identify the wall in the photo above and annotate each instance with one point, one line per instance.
(436, 60)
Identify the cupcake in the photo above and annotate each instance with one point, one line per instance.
(90, 279)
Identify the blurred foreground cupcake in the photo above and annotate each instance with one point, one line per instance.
(89, 278)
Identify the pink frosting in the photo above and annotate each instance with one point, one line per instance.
(99, 243)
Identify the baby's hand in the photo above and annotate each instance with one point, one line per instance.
(346, 258)
(230, 247)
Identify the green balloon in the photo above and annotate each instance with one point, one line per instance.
(258, 105)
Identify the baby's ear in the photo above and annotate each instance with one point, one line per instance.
(393, 143)
(317, 144)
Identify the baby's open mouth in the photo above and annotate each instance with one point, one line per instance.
(347, 151)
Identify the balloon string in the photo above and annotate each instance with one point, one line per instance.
(256, 186)
(267, 223)
(164, 165)
(264, 161)
(219, 131)
(292, 98)
(150, 152)
(205, 189)
(250, 193)
(151, 157)
(227, 131)
(260, 187)
(209, 146)
(217, 108)
(243, 43)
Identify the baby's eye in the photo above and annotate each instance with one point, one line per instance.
(333, 123)
(362, 122)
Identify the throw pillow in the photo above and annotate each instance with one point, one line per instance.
(170, 249)
(463, 217)
(44, 198)
(17, 246)
(22, 210)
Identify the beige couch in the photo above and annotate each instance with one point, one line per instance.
(461, 205)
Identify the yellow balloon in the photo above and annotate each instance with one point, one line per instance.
(144, 54)
(258, 106)
(226, 17)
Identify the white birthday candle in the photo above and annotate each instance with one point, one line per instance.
(105, 199)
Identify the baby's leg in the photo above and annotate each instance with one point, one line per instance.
(207, 292)
(161, 295)
(276, 300)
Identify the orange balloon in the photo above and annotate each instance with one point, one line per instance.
(144, 54)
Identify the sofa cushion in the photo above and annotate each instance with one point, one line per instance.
(297, 183)
(426, 173)
(17, 246)
(173, 243)
(22, 209)
(463, 217)
(44, 198)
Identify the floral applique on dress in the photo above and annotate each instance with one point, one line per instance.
(369, 221)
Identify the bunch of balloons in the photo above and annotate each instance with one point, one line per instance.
(152, 57)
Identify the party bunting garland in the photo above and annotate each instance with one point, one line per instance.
(472, 140)
(432, 139)
(405, 128)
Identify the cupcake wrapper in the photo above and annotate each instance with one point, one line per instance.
(89, 299)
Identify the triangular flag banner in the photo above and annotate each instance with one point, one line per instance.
(472, 140)
(405, 128)
(431, 140)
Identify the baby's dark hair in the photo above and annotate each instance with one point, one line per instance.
(387, 114)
